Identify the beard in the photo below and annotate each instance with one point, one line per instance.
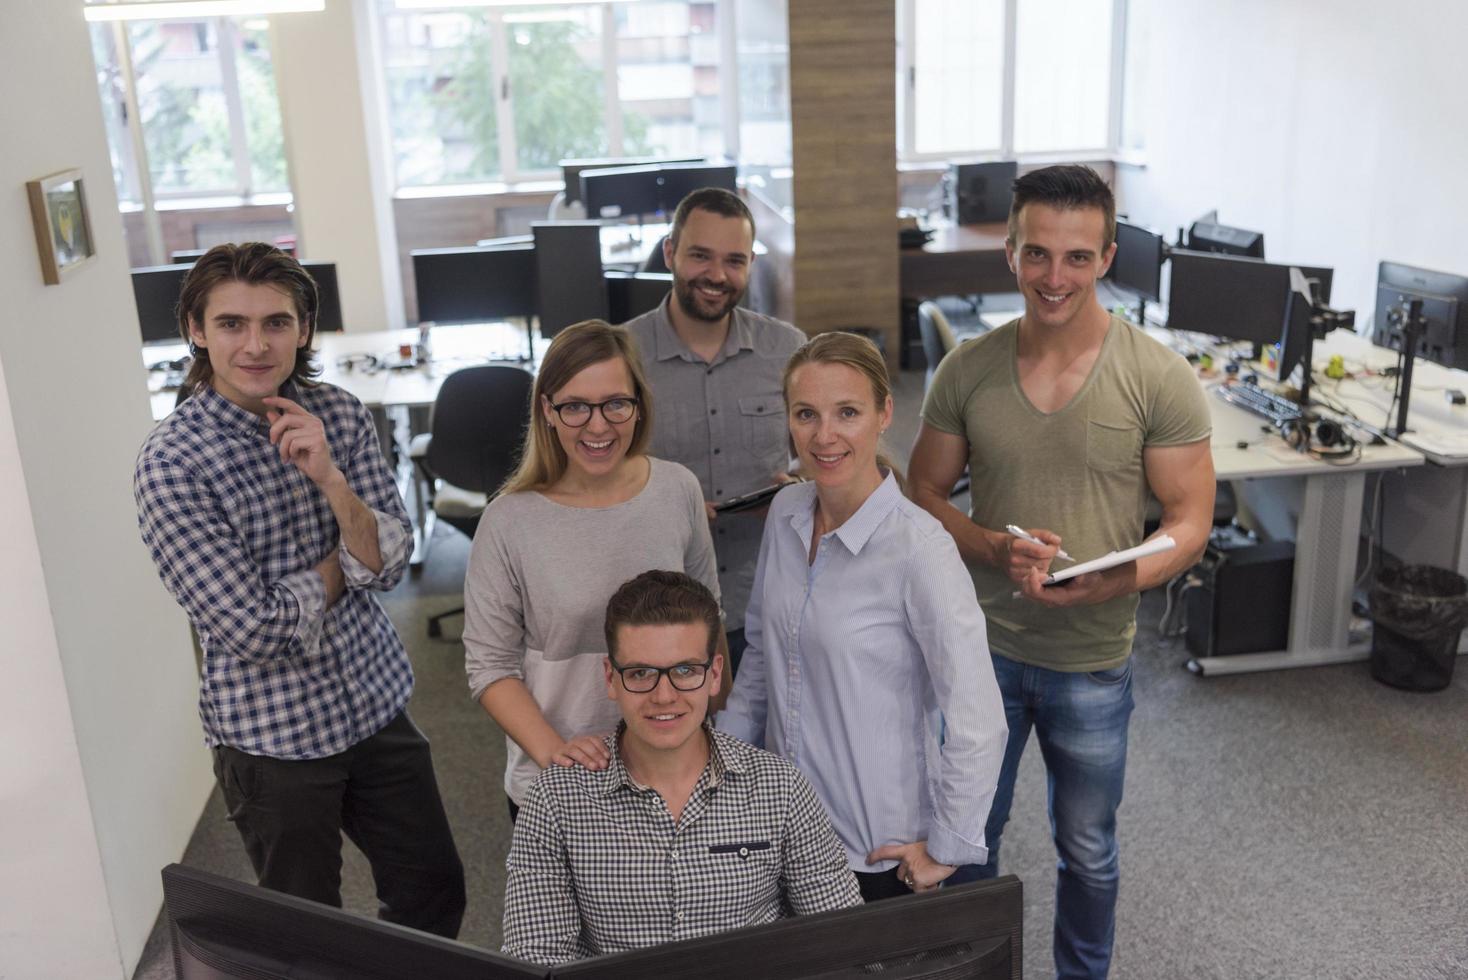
(695, 305)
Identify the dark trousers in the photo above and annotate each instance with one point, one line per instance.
(382, 794)
(735, 639)
(877, 885)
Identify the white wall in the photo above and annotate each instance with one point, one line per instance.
(329, 108)
(104, 772)
(1336, 127)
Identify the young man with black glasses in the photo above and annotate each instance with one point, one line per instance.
(688, 831)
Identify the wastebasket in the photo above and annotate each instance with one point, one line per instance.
(1419, 612)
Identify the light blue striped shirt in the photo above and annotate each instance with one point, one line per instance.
(869, 669)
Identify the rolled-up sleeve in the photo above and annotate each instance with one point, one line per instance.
(948, 626)
(494, 610)
(205, 567)
(372, 480)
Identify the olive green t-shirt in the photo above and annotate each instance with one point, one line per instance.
(1077, 471)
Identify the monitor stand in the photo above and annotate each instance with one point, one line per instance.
(1412, 324)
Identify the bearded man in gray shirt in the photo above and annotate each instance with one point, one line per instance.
(717, 369)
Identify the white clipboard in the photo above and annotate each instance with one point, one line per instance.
(1163, 542)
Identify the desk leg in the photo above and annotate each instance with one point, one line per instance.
(1326, 539)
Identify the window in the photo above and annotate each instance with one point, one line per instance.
(492, 94)
(206, 105)
(1008, 77)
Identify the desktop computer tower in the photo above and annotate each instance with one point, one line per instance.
(1243, 603)
(979, 192)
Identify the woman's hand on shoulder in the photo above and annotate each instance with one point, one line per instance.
(588, 751)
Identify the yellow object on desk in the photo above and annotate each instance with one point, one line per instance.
(1336, 367)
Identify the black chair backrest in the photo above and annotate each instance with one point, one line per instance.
(653, 261)
(479, 421)
(932, 343)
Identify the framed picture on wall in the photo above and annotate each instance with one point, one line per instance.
(63, 227)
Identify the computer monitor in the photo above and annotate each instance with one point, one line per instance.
(571, 169)
(568, 274)
(155, 291)
(329, 300)
(1444, 336)
(980, 192)
(229, 930)
(968, 932)
(678, 180)
(621, 192)
(1233, 297)
(631, 294)
(1207, 235)
(1137, 265)
(468, 285)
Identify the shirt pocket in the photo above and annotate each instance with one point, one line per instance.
(762, 418)
(1111, 446)
(749, 873)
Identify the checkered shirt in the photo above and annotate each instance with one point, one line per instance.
(598, 866)
(235, 533)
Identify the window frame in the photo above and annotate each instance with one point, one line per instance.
(140, 167)
(907, 90)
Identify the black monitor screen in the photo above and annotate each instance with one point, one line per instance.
(631, 294)
(1138, 262)
(981, 192)
(571, 169)
(568, 271)
(155, 290)
(329, 314)
(968, 932)
(1233, 297)
(229, 930)
(468, 285)
(621, 192)
(1444, 306)
(1207, 235)
(679, 180)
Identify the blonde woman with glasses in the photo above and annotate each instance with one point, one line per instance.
(586, 510)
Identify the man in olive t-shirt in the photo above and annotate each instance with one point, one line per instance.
(1066, 419)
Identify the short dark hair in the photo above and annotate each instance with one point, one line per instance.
(256, 264)
(714, 199)
(1065, 186)
(662, 598)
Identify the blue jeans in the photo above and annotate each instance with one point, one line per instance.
(1081, 722)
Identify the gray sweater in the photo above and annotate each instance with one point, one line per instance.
(535, 594)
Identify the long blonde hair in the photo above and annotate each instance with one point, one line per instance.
(859, 354)
(542, 460)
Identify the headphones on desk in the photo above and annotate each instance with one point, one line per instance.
(1321, 438)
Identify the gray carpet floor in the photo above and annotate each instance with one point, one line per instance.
(1296, 824)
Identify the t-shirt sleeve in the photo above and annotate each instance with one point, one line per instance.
(1179, 411)
(943, 404)
(494, 607)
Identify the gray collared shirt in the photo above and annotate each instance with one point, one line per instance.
(725, 421)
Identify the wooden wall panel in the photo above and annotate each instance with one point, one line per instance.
(843, 115)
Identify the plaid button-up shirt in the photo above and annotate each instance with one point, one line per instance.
(235, 533)
(597, 864)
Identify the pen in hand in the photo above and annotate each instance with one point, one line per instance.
(1024, 535)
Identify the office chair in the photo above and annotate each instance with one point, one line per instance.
(479, 420)
(653, 261)
(938, 337)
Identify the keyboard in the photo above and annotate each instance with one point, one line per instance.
(1265, 404)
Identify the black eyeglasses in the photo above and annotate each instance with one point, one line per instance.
(614, 410)
(684, 677)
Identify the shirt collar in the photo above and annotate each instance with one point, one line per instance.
(226, 414)
(858, 528)
(668, 345)
(615, 776)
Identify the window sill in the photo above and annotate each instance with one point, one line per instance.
(526, 188)
(211, 203)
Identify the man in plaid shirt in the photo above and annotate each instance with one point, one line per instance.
(267, 506)
(687, 831)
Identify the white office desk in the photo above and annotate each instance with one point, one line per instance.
(1327, 530)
